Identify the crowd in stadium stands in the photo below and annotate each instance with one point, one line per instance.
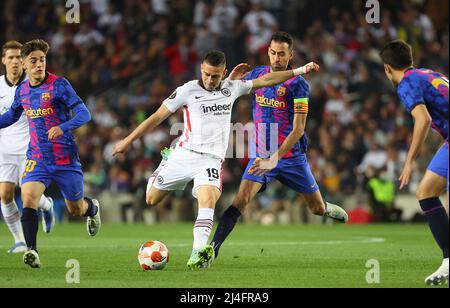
(126, 57)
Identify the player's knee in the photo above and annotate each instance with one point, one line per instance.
(152, 200)
(30, 201)
(241, 203)
(6, 196)
(422, 193)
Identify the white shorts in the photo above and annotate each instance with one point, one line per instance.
(12, 168)
(183, 167)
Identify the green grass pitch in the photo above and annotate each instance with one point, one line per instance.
(254, 257)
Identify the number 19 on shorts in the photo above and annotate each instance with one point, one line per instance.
(213, 174)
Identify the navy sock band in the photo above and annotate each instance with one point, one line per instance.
(226, 226)
(92, 209)
(438, 221)
(30, 225)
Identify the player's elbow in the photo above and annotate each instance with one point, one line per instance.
(299, 133)
(88, 116)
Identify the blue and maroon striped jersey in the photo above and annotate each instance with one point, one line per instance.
(49, 105)
(423, 86)
(274, 109)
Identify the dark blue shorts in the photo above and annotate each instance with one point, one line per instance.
(439, 164)
(68, 178)
(295, 173)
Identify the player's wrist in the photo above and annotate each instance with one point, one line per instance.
(299, 71)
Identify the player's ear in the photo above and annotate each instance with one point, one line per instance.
(3, 61)
(225, 72)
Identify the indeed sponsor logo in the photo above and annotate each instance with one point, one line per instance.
(216, 108)
(38, 113)
(265, 102)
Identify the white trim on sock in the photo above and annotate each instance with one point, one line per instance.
(203, 227)
(11, 216)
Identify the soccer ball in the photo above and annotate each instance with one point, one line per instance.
(153, 255)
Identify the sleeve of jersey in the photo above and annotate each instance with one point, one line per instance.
(411, 94)
(13, 115)
(244, 87)
(81, 117)
(69, 98)
(67, 94)
(175, 101)
(249, 76)
(301, 97)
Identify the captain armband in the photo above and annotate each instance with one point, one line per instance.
(301, 105)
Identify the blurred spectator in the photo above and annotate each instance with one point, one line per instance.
(260, 25)
(382, 194)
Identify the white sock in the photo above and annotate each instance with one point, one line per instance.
(12, 218)
(44, 204)
(203, 227)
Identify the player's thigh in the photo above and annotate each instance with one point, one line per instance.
(70, 182)
(32, 193)
(251, 185)
(247, 192)
(171, 176)
(296, 174)
(208, 172)
(10, 174)
(208, 196)
(435, 181)
(432, 185)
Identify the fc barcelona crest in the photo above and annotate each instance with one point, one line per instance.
(46, 96)
(281, 91)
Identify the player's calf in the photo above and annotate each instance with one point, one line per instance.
(317, 208)
(155, 196)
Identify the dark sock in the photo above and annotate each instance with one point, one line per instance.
(30, 225)
(92, 209)
(438, 221)
(226, 225)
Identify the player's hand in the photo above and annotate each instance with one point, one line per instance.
(310, 67)
(406, 175)
(120, 148)
(240, 71)
(262, 166)
(54, 133)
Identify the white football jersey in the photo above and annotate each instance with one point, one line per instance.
(14, 140)
(207, 114)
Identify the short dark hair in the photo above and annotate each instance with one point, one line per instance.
(283, 37)
(397, 54)
(11, 45)
(215, 58)
(34, 45)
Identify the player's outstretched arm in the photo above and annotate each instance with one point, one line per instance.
(11, 117)
(151, 123)
(422, 127)
(275, 78)
(81, 117)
